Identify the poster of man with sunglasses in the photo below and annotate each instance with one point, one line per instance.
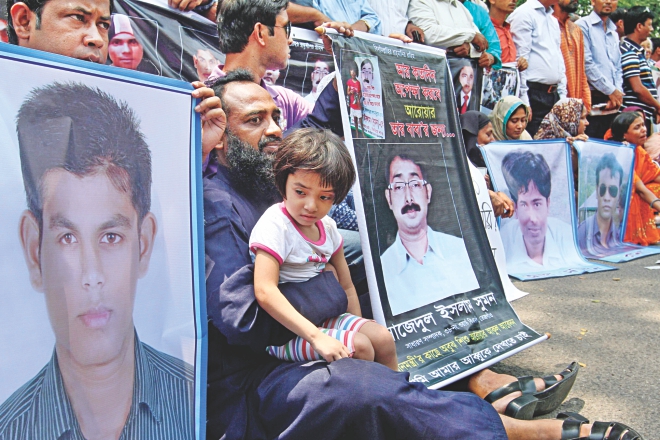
(603, 192)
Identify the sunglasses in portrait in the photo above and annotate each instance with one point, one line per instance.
(613, 189)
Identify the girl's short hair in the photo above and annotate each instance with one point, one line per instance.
(317, 150)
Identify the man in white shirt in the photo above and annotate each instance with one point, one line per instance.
(449, 25)
(393, 16)
(422, 265)
(464, 98)
(537, 38)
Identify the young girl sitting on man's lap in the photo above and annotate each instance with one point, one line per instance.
(295, 240)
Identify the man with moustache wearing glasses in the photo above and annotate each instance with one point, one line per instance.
(422, 265)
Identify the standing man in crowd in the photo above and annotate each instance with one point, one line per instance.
(572, 49)
(617, 18)
(499, 10)
(537, 37)
(394, 19)
(638, 83)
(449, 25)
(602, 63)
(491, 57)
(357, 13)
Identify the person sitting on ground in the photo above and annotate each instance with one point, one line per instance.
(567, 119)
(645, 199)
(296, 240)
(509, 117)
(478, 130)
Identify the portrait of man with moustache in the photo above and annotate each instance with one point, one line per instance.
(422, 265)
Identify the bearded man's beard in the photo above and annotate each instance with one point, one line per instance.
(252, 170)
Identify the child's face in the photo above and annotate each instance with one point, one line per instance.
(306, 200)
(353, 74)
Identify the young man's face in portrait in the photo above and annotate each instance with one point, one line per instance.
(367, 73)
(204, 62)
(321, 70)
(466, 78)
(74, 28)
(607, 193)
(408, 196)
(125, 51)
(532, 210)
(87, 262)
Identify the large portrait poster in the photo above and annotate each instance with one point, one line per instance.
(498, 84)
(102, 320)
(540, 238)
(604, 188)
(432, 277)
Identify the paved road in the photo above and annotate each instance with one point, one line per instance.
(608, 321)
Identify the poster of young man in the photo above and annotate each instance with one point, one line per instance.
(498, 84)
(432, 277)
(101, 322)
(467, 79)
(606, 170)
(540, 239)
(310, 66)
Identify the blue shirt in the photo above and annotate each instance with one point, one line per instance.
(602, 58)
(446, 271)
(162, 406)
(349, 11)
(482, 20)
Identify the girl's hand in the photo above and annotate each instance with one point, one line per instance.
(328, 347)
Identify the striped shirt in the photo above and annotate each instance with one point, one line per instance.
(162, 406)
(633, 63)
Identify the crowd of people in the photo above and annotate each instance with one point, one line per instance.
(273, 169)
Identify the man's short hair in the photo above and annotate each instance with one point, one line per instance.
(36, 6)
(622, 123)
(404, 157)
(656, 44)
(609, 162)
(317, 150)
(219, 86)
(636, 15)
(367, 61)
(236, 20)
(520, 168)
(82, 130)
(618, 14)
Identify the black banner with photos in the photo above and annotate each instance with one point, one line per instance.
(443, 302)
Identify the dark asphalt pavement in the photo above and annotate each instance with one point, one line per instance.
(610, 323)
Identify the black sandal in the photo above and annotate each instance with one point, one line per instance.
(570, 429)
(523, 407)
(555, 391)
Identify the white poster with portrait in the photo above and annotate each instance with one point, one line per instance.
(102, 304)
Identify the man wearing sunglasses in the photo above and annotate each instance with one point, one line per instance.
(599, 233)
(422, 265)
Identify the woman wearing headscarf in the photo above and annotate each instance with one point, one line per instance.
(477, 130)
(645, 199)
(567, 119)
(509, 118)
